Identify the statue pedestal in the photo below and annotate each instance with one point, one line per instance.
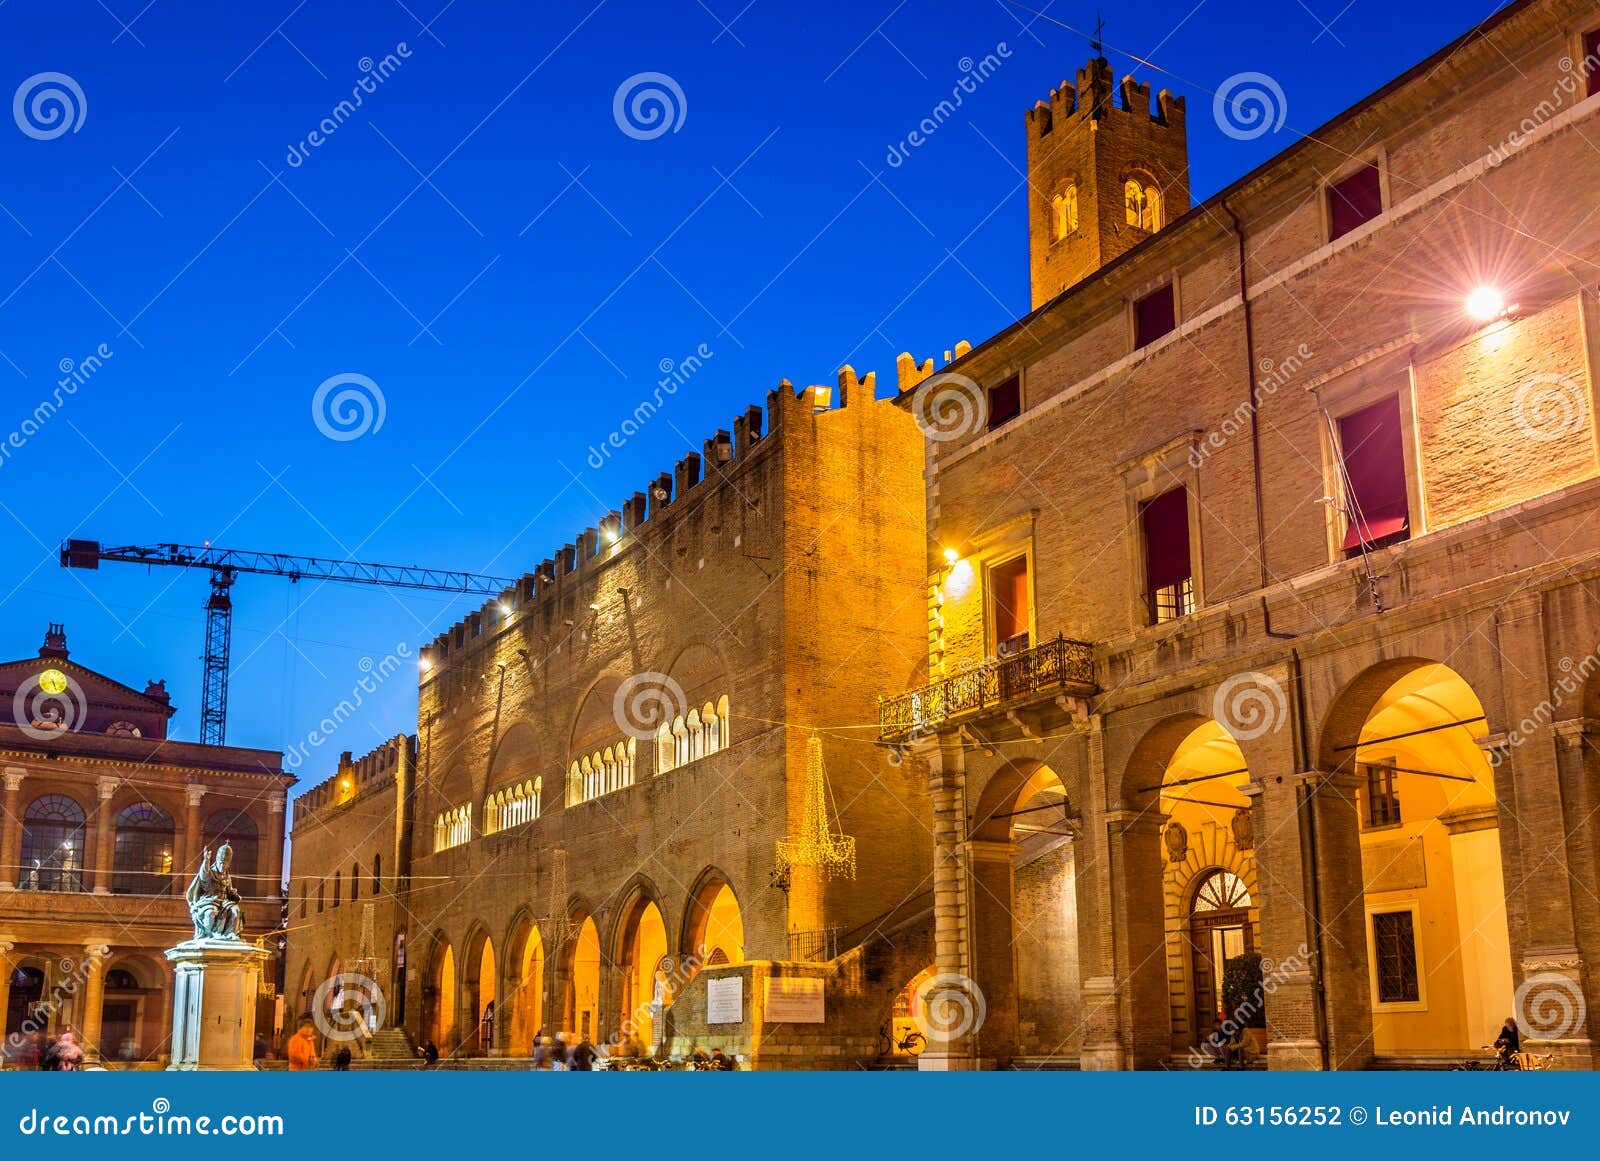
(214, 1004)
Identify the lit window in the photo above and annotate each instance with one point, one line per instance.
(689, 737)
(1372, 456)
(1169, 575)
(1383, 804)
(1394, 946)
(1065, 205)
(1143, 204)
(1154, 315)
(1008, 603)
(1005, 402)
(1354, 200)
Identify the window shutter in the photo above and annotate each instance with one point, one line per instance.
(1353, 201)
(1153, 316)
(1166, 539)
(1374, 462)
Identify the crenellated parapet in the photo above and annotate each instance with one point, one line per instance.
(356, 776)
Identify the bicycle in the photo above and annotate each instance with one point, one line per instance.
(911, 1044)
(1507, 1062)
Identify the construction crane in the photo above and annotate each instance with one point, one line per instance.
(225, 564)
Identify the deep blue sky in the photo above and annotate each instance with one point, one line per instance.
(553, 260)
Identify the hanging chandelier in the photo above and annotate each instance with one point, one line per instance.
(818, 844)
(556, 927)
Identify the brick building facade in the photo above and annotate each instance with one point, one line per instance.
(104, 821)
(1264, 575)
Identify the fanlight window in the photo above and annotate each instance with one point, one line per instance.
(1144, 204)
(1222, 891)
(52, 845)
(512, 806)
(602, 772)
(1065, 207)
(453, 828)
(691, 736)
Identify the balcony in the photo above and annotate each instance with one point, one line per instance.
(1056, 666)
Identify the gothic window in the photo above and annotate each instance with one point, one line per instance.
(52, 844)
(1394, 945)
(1065, 207)
(336, 878)
(142, 851)
(355, 882)
(1143, 203)
(305, 895)
(377, 874)
(238, 830)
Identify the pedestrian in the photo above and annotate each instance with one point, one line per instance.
(543, 1053)
(68, 1053)
(303, 1047)
(719, 1062)
(581, 1056)
(1509, 1043)
(341, 1059)
(430, 1053)
(559, 1053)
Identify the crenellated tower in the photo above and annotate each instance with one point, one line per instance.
(1106, 169)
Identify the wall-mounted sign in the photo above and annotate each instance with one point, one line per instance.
(725, 1000)
(795, 1000)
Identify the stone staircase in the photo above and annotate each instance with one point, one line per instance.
(389, 1049)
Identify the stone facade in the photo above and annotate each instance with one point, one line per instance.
(104, 821)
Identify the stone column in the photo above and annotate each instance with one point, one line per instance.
(94, 997)
(1340, 888)
(1578, 753)
(11, 828)
(992, 900)
(104, 838)
(271, 884)
(6, 968)
(1137, 865)
(1103, 1048)
(947, 789)
(1294, 1033)
(189, 841)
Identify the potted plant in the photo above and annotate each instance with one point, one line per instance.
(1244, 997)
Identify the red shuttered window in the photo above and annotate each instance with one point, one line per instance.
(1375, 476)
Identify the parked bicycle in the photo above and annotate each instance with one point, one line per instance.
(911, 1044)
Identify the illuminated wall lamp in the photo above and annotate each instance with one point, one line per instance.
(1486, 304)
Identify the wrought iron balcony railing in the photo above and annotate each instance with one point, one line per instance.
(1055, 665)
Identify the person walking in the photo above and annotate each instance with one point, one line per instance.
(341, 1059)
(581, 1057)
(543, 1053)
(68, 1055)
(303, 1047)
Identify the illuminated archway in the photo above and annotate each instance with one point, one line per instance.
(439, 998)
(906, 1016)
(581, 1010)
(479, 996)
(642, 948)
(524, 1003)
(714, 933)
(1433, 887)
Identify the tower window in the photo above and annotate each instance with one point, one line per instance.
(1065, 207)
(1354, 201)
(1008, 602)
(1591, 60)
(1144, 204)
(1153, 316)
(1394, 945)
(1373, 458)
(1005, 402)
(1169, 575)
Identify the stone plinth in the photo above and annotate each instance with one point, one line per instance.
(216, 982)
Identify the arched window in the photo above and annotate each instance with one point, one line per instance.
(665, 751)
(121, 980)
(305, 896)
(1065, 206)
(142, 851)
(1144, 203)
(355, 882)
(52, 844)
(336, 875)
(238, 830)
(377, 875)
(538, 796)
(322, 893)
(1222, 891)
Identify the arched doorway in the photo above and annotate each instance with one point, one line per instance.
(524, 1002)
(24, 1028)
(582, 1007)
(1208, 881)
(714, 933)
(481, 1000)
(132, 1014)
(906, 1017)
(439, 998)
(1438, 953)
(642, 948)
